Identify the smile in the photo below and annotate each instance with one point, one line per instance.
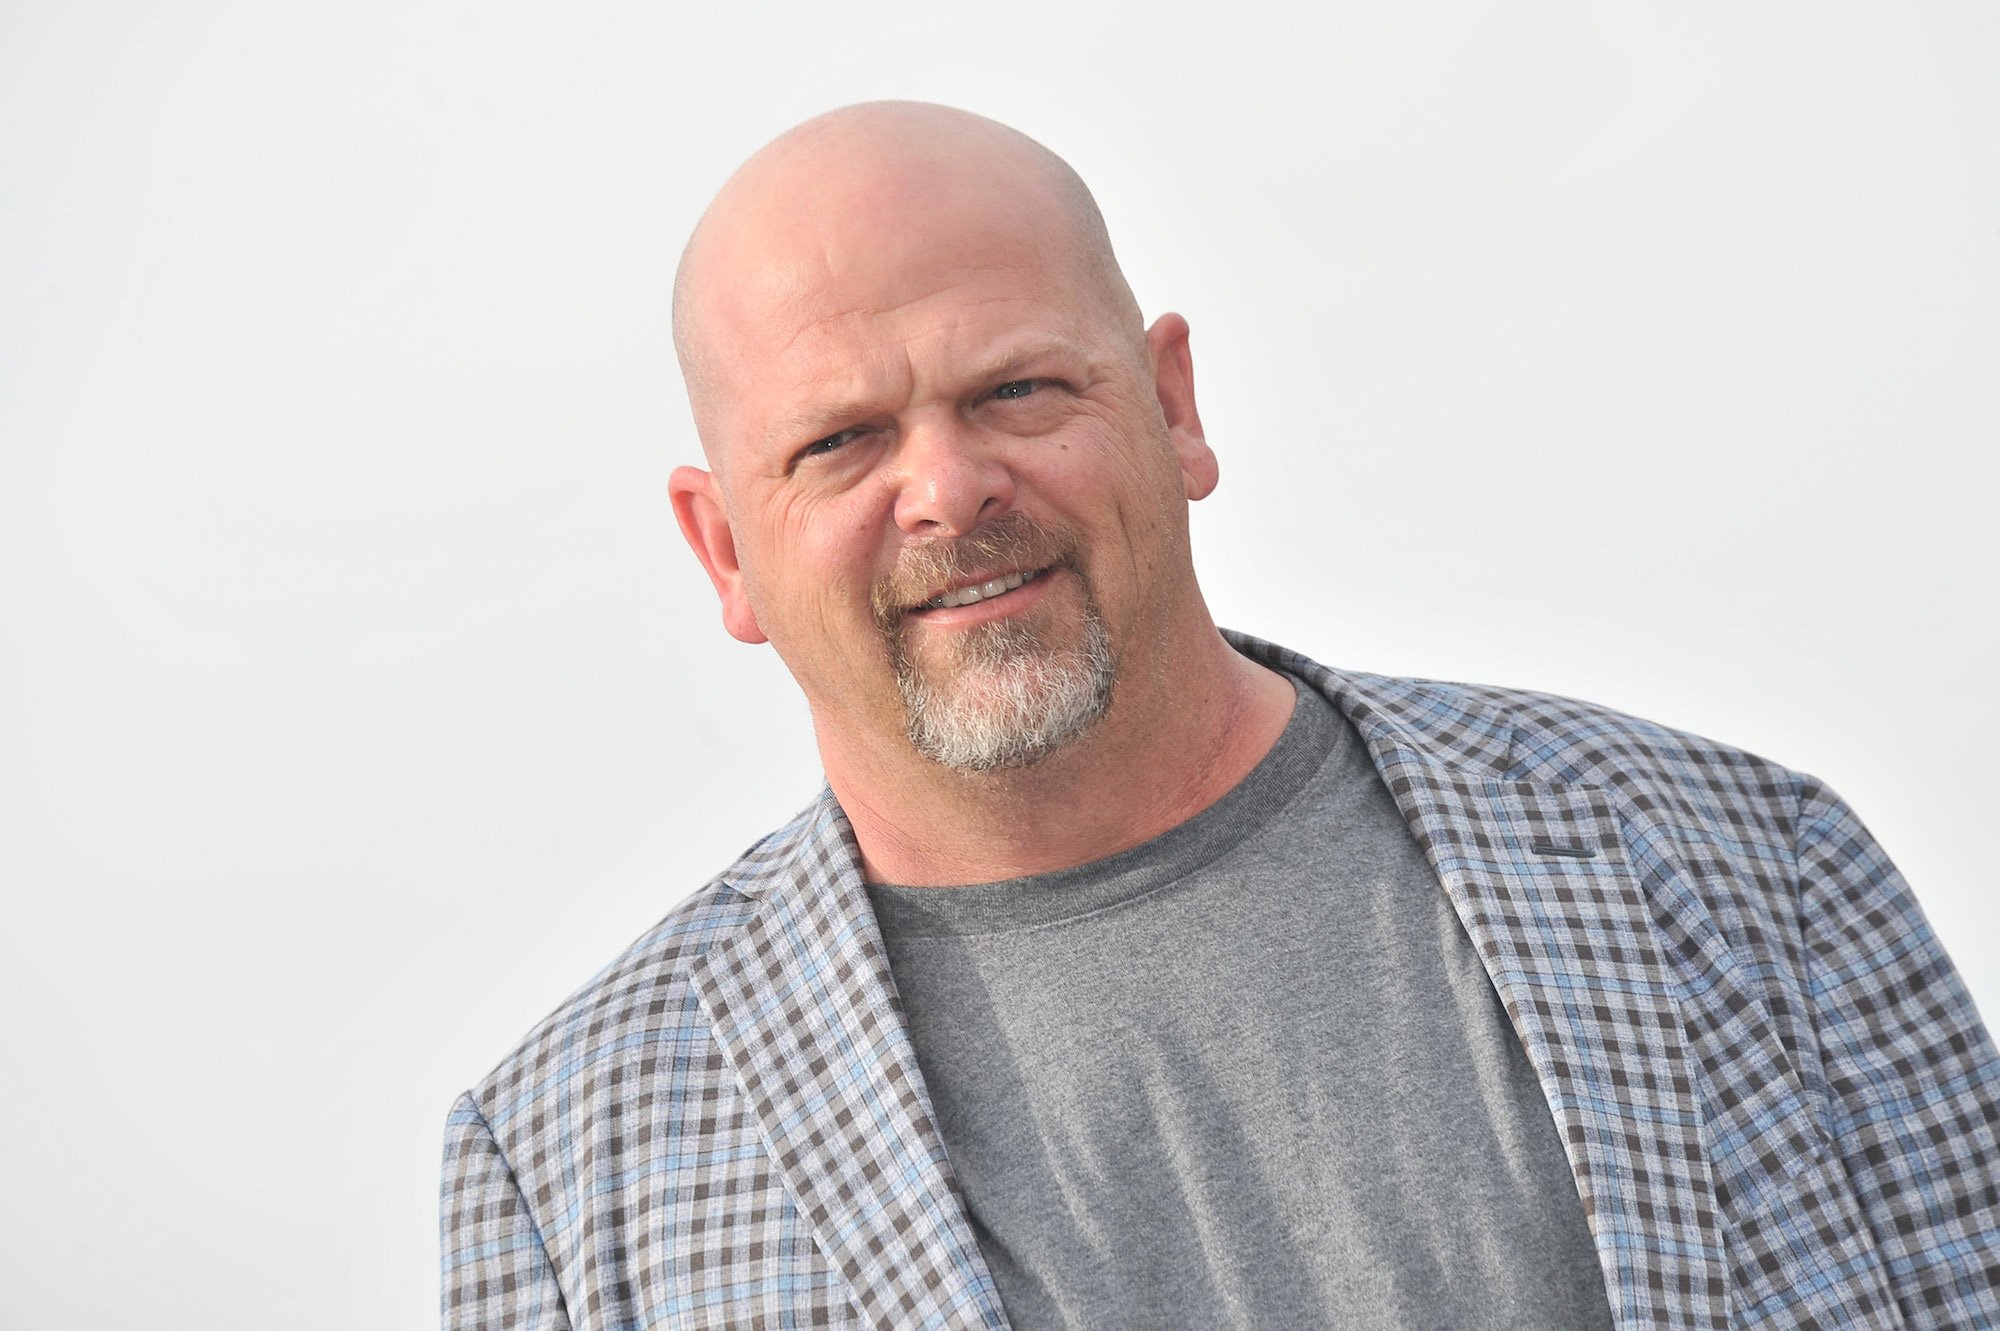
(980, 591)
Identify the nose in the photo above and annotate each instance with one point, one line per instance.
(949, 479)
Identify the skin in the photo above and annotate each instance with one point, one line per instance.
(898, 324)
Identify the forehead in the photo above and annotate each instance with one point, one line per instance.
(878, 242)
(836, 313)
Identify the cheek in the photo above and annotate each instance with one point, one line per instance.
(1121, 468)
(1125, 491)
(813, 569)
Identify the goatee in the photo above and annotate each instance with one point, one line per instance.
(1009, 692)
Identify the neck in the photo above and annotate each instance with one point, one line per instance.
(1168, 749)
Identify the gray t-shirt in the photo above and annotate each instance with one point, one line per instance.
(1250, 1073)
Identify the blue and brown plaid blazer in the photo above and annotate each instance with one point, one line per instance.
(1777, 1099)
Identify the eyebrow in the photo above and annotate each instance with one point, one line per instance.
(805, 424)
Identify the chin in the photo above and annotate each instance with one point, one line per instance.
(1007, 699)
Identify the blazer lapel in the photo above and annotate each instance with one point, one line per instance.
(1537, 872)
(1539, 879)
(805, 1011)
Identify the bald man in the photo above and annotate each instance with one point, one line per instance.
(1128, 973)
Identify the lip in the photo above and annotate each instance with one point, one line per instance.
(1006, 603)
(1025, 571)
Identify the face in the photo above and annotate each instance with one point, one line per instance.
(950, 489)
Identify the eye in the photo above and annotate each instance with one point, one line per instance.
(1015, 388)
(819, 447)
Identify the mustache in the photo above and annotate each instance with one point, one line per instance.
(926, 567)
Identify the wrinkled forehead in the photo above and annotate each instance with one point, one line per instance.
(863, 267)
(814, 294)
(802, 365)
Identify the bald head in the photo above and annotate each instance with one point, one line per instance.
(869, 198)
(916, 369)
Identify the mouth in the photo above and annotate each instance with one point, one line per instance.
(972, 593)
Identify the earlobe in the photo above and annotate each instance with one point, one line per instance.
(705, 523)
(1173, 383)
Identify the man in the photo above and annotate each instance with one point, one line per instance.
(1131, 975)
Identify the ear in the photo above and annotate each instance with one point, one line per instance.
(705, 524)
(1173, 383)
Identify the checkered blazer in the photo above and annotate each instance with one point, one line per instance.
(1775, 1095)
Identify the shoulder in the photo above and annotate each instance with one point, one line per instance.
(1674, 776)
(1713, 833)
(1570, 739)
(1529, 735)
(639, 1004)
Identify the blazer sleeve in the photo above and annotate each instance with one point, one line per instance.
(1913, 1079)
(496, 1271)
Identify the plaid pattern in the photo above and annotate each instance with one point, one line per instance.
(724, 1129)
(1777, 1100)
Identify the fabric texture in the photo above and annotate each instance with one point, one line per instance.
(1248, 1073)
(1777, 1100)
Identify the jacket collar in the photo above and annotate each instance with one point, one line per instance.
(806, 1012)
(1535, 865)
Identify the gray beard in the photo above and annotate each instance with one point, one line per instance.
(1007, 699)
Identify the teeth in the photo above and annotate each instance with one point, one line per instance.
(969, 595)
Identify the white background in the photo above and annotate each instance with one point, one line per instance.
(358, 699)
